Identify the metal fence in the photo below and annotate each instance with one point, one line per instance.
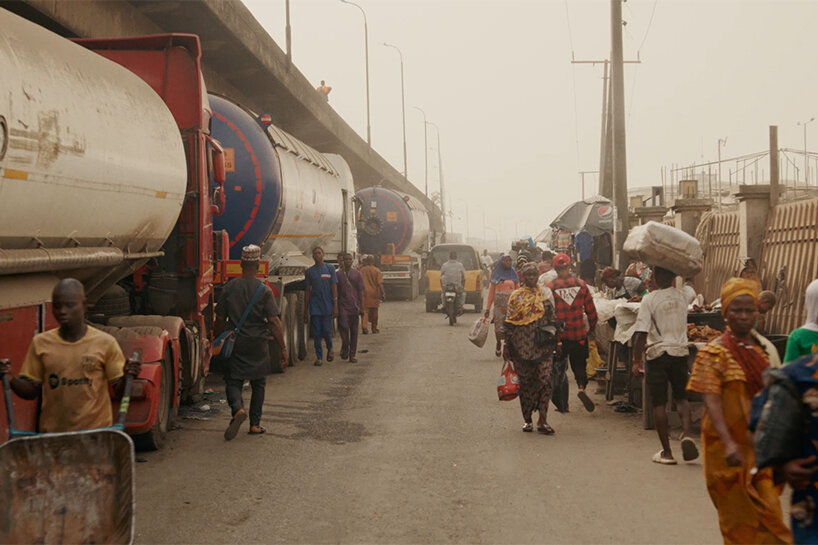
(789, 261)
(718, 233)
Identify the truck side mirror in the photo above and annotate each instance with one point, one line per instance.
(219, 176)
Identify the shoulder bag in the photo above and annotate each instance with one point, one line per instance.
(224, 343)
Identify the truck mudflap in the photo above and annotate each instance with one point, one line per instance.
(143, 412)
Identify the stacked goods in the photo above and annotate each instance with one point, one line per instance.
(665, 246)
(702, 333)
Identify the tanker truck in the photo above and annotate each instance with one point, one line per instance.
(105, 176)
(394, 227)
(285, 197)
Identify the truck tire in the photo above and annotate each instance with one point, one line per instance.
(300, 329)
(290, 337)
(478, 305)
(155, 438)
(276, 364)
(114, 302)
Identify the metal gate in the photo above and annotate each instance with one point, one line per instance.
(789, 261)
(718, 233)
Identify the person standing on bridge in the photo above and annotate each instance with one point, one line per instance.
(573, 301)
(324, 90)
(503, 282)
(661, 334)
(322, 300)
(248, 296)
(373, 293)
(529, 308)
(77, 362)
(350, 306)
(728, 373)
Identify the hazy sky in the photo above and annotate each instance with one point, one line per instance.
(496, 77)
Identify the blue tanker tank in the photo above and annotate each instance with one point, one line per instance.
(388, 217)
(253, 187)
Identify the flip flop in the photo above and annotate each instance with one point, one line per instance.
(262, 429)
(689, 449)
(330, 356)
(528, 427)
(586, 401)
(664, 461)
(235, 423)
(546, 430)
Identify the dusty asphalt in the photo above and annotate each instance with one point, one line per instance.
(411, 445)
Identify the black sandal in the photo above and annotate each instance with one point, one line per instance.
(546, 430)
(261, 429)
(528, 427)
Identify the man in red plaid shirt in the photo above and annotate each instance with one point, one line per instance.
(572, 299)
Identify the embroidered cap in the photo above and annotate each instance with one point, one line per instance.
(251, 253)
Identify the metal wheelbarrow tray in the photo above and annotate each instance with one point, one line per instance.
(72, 487)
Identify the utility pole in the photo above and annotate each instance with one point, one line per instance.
(366, 60)
(402, 106)
(425, 153)
(722, 142)
(620, 170)
(440, 176)
(289, 36)
(774, 165)
(806, 164)
(606, 132)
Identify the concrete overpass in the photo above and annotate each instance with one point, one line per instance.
(240, 60)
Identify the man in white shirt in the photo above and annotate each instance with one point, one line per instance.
(661, 333)
(453, 272)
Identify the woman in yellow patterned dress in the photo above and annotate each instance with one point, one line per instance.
(528, 308)
(727, 372)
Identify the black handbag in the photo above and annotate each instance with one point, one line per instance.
(545, 335)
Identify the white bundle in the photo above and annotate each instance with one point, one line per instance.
(665, 246)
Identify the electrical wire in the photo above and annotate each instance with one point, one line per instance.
(573, 83)
(650, 22)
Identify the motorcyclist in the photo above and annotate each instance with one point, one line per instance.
(453, 272)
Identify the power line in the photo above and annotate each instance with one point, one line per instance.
(650, 22)
(573, 82)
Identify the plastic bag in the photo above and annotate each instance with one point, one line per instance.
(665, 246)
(508, 386)
(559, 395)
(479, 332)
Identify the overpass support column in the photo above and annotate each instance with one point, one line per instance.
(754, 207)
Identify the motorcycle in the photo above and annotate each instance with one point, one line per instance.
(450, 303)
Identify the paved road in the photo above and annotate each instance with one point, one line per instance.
(410, 445)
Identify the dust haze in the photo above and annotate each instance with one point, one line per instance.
(518, 121)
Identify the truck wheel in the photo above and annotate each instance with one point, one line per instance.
(114, 302)
(155, 439)
(300, 331)
(276, 364)
(478, 305)
(290, 337)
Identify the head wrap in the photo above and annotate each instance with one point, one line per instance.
(609, 272)
(736, 287)
(529, 267)
(811, 304)
(522, 258)
(525, 305)
(250, 253)
(500, 274)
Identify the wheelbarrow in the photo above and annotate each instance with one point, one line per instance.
(70, 487)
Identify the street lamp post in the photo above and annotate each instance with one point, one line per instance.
(440, 176)
(722, 142)
(425, 153)
(366, 60)
(402, 106)
(806, 164)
